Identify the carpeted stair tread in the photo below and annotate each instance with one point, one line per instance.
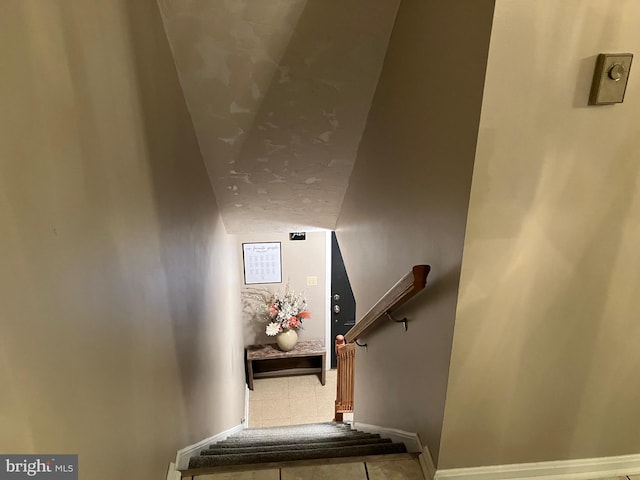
(305, 454)
(276, 440)
(292, 429)
(295, 431)
(321, 443)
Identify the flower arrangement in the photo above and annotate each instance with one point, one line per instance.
(285, 311)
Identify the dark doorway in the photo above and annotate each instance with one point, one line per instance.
(343, 303)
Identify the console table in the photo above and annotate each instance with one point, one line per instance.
(269, 361)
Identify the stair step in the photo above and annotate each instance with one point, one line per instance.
(279, 446)
(291, 433)
(204, 461)
(275, 440)
(289, 429)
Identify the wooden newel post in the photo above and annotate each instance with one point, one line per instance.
(345, 354)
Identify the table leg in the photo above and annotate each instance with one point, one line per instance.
(323, 375)
(250, 369)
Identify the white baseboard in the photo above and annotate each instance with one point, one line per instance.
(183, 455)
(246, 407)
(172, 473)
(582, 469)
(427, 465)
(411, 440)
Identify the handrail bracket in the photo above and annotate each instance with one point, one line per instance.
(360, 344)
(396, 320)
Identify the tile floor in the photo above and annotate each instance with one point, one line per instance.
(292, 400)
(408, 469)
(380, 470)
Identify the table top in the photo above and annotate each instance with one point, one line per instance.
(271, 350)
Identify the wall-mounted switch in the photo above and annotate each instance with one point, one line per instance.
(610, 78)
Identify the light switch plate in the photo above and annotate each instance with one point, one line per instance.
(610, 78)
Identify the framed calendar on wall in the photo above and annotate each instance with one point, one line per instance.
(262, 262)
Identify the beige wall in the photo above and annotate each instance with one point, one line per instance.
(545, 357)
(300, 259)
(407, 204)
(115, 270)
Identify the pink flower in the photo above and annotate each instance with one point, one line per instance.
(273, 310)
(293, 322)
(304, 314)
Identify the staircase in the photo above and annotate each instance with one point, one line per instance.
(294, 446)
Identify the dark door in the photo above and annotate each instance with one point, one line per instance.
(343, 303)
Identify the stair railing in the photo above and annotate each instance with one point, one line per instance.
(346, 356)
(407, 287)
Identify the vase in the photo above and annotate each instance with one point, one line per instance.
(287, 340)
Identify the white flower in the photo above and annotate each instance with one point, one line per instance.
(273, 329)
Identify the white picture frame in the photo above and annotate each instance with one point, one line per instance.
(262, 262)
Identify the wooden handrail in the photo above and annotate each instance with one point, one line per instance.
(412, 283)
(402, 291)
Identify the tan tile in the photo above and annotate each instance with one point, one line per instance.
(255, 413)
(269, 395)
(408, 469)
(307, 380)
(329, 397)
(276, 422)
(328, 394)
(278, 408)
(296, 420)
(270, 388)
(325, 391)
(325, 418)
(273, 474)
(270, 384)
(301, 391)
(326, 400)
(255, 422)
(330, 384)
(634, 477)
(326, 411)
(255, 408)
(331, 377)
(352, 471)
(303, 407)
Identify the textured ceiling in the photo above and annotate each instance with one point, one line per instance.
(279, 92)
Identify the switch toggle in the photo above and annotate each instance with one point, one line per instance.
(610, 78)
